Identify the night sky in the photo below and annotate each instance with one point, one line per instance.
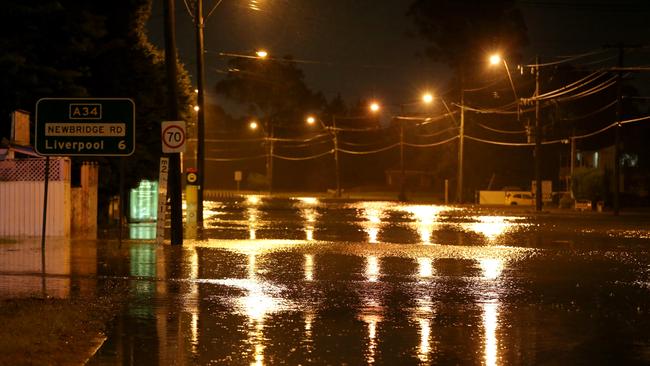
(362, 48)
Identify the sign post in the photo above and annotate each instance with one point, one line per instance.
(162, 200)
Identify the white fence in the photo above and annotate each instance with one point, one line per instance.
(22, 189)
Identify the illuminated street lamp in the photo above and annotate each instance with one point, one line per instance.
(261, 53)
(374, 107)
(496, 59)
(310, 120)
(253, 125)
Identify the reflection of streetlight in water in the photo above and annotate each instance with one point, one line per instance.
(490, 322)
(425, 267)
(373, 213)
(309, 267)
(372, 268)
(426, 217)
(252, 215)
(491, 267)
(492, 226)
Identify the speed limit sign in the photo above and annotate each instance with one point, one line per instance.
(173, 136)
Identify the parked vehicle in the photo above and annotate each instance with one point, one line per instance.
(523, 199)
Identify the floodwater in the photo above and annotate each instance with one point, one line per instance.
(300, 281)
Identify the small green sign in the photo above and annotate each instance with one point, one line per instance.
(85, 126)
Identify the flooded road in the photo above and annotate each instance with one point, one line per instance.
(299, 281)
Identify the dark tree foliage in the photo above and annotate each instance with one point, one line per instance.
(74, 48)
(462, 34)
(271, 89)
(464, 31)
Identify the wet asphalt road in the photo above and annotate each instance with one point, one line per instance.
(306, 282)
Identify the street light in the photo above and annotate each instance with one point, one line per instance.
(374, 107)
(261, 53)
(268, 138)
(311, 120)
(427, 98)
(496, 59)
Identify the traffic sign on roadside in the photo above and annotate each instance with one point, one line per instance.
(85, 126)
(173, 136)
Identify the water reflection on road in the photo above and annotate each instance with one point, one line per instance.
(306, 282)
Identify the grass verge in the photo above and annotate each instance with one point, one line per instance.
(38, 331)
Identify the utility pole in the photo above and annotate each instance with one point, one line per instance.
(269, 158)
(538, 143)
(172, 96)
(461, 140)
(336, 158)
(617, 137)
(200, 122)
(402, 183)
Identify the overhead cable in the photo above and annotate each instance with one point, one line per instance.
(433, 144)
(567, 59)
(236, 159)
(303, 158)
(590, 113)
(500, 131)
(368, 152)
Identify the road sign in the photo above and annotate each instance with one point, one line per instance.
(173, 136)
(192, 177)
(162, 200)
(85, 126)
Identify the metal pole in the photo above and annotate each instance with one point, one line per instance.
(617, 137)
(121, 218)
(461, 140)
(572, 164)
(270, 166)
(336, 158)
(44, 232)
(172, 96)
(200, 72)
(402, 188)
(538, 144)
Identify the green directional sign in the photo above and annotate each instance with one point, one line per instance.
(85, 126)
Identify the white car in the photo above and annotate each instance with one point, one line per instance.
(522, 199)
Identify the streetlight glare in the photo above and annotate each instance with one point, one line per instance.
(374, 107)
(261, 53)
(427, 98)
(310, 120)
(196, 108)
(495, 59)
(253, 125)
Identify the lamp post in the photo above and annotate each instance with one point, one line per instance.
(268, 138)
(461, 139)
(495, 60)
(200, 120)
(426, 99)
(311, 120)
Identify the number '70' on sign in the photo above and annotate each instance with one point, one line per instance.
(173, 136)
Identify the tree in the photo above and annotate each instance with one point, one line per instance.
(272, 89)
(460, 32)
(92, 49)
(589, 184)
